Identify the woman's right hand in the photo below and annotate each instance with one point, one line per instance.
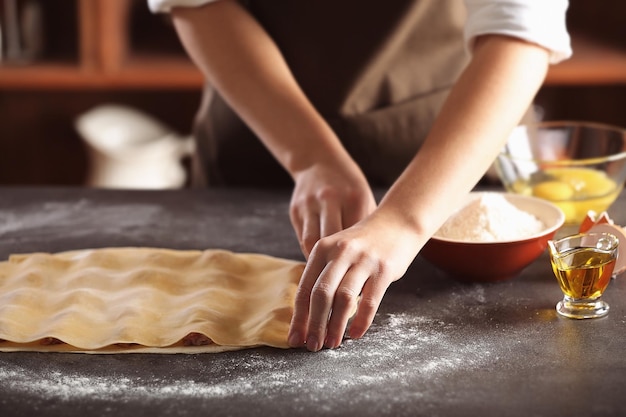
(328, 198)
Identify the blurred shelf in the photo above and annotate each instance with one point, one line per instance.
(139, 73)
(593, 63)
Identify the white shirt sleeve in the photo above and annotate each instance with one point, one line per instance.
(538, 21)
(165, 6)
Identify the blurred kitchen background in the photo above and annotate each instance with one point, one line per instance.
(86, 84)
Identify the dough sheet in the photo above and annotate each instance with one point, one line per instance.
(120, 300)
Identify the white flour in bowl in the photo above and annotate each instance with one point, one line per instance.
(490, 218)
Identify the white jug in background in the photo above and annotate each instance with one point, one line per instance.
(130, 149)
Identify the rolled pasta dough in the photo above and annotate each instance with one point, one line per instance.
(122, 300)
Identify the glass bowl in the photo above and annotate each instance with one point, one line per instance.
(579, 166)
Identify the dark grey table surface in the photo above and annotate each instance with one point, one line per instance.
(437, 347)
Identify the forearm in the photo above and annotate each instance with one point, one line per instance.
(488, 100)
(243, 63)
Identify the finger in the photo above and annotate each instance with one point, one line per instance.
(306, 224)
(322, 298)
(296, 222)
(310, 233)
(355, 212)
(371, 297)
(330, 218)
(299, 321)
(344, 305)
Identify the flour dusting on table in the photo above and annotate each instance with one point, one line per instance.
(368, 362)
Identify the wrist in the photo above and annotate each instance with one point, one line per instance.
(323, 157)
(403, 224)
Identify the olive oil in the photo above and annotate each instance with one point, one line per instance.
(584, 272)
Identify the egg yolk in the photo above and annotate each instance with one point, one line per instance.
(553, 190)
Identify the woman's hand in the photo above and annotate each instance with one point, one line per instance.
(349, 270)
(328, 199)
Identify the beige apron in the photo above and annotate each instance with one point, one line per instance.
(378, 72)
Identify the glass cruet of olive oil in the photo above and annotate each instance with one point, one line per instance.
(583, 265)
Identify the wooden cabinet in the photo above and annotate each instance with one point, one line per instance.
(116, 44)
(96, 51)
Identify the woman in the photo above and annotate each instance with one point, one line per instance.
(344, 95)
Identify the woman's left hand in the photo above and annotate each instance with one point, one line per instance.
(349, 270)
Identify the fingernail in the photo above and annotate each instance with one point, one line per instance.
(313, 344)
(331, 343)
(295, 340)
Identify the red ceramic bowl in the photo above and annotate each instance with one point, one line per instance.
(496, 261)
